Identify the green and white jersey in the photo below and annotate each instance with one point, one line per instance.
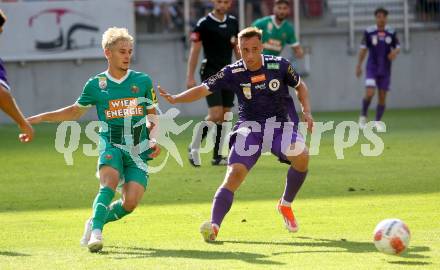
(275, 36)
(116, 100)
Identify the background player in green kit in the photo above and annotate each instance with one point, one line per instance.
(277, 31)
(117, 94)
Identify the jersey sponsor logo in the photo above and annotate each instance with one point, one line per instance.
(219, 75)
(102, 82)
(236, 70)
(258, 78)
(274, 85)
(134, 89)
(261, 86)
(374, 40)
(223, 25)
(239, 63)
(273, 66)
(124, 107)
(273, 44)
(247, 92)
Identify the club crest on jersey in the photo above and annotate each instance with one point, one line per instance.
(102, 82)
(388, 40)
(134, 89)
(269, 27)
(274, 85)
(246, 90)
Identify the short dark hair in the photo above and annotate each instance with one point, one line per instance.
(277, 2)
(250, 32)
(2, 18)
(381, 10)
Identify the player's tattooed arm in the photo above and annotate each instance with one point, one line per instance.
(187, 96)
(72, 112)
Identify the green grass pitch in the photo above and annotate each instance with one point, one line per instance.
(44, 204)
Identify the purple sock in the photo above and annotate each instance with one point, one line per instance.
(379, 112)
(221, 205)
(365, 105)
(294, 181)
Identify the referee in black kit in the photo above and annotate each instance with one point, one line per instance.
(217, 34)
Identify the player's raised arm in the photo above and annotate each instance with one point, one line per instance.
(72, 112)
(187, 96)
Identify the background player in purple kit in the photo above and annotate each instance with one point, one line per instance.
(382, 46)
(261, 85)
(7, 102)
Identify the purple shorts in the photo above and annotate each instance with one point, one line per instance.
(381, 82)
(250, 139)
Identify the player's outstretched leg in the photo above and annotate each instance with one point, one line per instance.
(296, 176)
(223, 199)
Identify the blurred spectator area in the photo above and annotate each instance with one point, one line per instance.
(333, 15)
(166, 16)
(155, 16)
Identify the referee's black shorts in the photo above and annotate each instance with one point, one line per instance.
(224, 98)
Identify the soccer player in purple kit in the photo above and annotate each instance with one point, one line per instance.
(382, 45)
(261, 85)
(7, 102)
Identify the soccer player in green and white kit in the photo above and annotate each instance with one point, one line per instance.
(277, 31)
(117, 94)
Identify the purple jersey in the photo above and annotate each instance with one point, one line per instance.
(3, 79)
(379, 45)
(261, 94)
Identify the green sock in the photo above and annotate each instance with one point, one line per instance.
(100, 207)
(116, 211)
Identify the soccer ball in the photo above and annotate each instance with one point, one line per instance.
(391, 236)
